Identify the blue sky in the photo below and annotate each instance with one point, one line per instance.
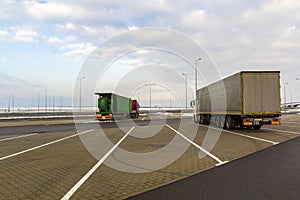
(45, 43)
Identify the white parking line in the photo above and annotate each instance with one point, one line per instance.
(242, 135)
(220, 162)
(87, 175)
(16, 137)
(43, 145)
(278, 130)
(251, 137)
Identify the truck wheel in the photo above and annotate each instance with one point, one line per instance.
(222, 122)
(229, 121)
(256, 127)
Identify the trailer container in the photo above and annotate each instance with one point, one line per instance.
(252, 98)
(113, 106)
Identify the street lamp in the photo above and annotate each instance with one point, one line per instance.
(38, 102)
(13, 102)
(185, 76)
(80, 92)
(46, 100)
(171, 100)
(196, 71)
(284, 95)
(150, 84)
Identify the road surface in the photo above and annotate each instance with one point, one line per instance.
(51, 162)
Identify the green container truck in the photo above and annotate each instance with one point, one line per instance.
(113, 106)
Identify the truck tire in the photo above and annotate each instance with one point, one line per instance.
(256, 127)
(229, 122)
(222, 123)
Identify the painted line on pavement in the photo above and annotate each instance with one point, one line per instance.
(143, 118)
(16, 137)
(251, 137)
(278, 130)
(220, 162)
(93, 169)
(43, 145)
(239, 134)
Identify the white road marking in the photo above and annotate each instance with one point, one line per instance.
(16, 137)
(220, 162)
(143, 118)
(251, 137)
(43, 145)
(94, 168)
(242, 135)
(278, 130)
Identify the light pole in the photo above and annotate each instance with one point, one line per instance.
(46, 100)
(60, 103)
(38, 102)
(53, 104)
(196, 71)
(13, 102)
(150, 84)
(185, 76)
(284, 96)
(80, 92)
(170, 100)
(291, 99)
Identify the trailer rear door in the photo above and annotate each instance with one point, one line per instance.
(261, 93)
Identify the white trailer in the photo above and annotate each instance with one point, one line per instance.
(245, 99)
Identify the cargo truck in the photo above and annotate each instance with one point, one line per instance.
(248, 99)
(113, 106)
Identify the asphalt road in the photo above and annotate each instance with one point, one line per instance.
(28, 129)
(272, 173)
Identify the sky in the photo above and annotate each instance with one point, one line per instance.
(45, 45)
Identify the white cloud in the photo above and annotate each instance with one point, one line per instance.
(19, 34)
(54, 41)
(193, 19)
(25, 35)
(44, 11)
(289, 39)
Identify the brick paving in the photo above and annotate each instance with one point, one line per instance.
(50, 172)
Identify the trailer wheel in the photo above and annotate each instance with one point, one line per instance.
(222, 122)
(229, 122)
(256, 127)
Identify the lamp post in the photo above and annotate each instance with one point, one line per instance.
(150, 84)
(185, 76)
(291, 99)
(60, 103)
(284, 96)
(171, 100)
(46, 100)
(80, 92)
(196, 71)
(38, 102)
(13, 102)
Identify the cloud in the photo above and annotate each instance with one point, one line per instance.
(44, 11)
(19, 34)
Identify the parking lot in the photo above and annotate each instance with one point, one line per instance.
(55, 165)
